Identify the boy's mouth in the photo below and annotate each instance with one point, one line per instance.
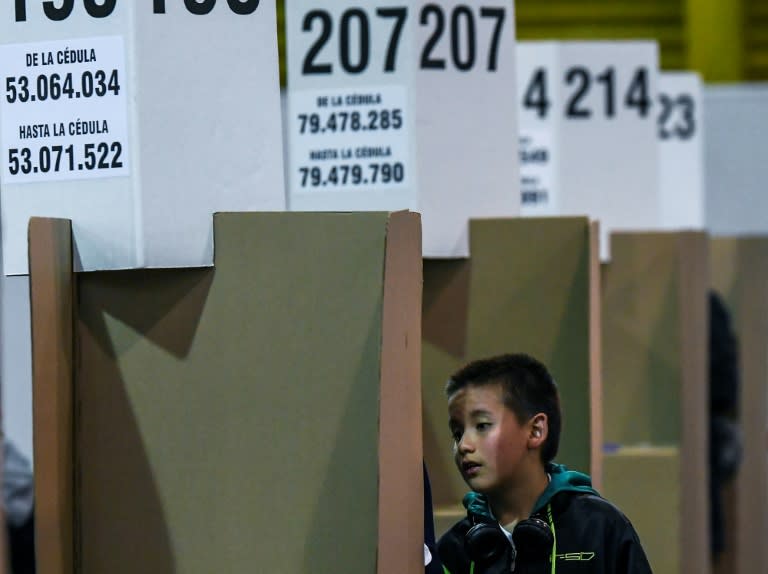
(470, 468)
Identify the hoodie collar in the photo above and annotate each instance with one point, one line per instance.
(562, 480)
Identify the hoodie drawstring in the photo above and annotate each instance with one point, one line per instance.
(554, 538)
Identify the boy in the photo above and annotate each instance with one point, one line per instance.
(525, 513)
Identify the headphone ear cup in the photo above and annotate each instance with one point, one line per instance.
(485, 543)
(533, 539)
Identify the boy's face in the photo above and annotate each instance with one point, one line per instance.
(491, 447)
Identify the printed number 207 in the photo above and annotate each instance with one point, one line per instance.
(460, 26)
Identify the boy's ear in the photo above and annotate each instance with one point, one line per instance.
(539, 429)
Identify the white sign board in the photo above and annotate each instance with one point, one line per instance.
(404, 107)
(736, 170)
(349, 107)
(681, 145)
(116, 115)
(466, 120)
(609, 149)
(591, 104)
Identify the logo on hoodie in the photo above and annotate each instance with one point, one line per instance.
(576, 556)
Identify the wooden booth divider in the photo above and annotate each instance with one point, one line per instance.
(530, 285)
(740, 275)
(52, 297)
(263, 415)
(655, 393)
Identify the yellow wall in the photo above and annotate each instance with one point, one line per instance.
(662, 20)
(723, 40)
(716, 39)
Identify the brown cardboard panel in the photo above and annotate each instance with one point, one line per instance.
(446, 305)
(543, 268)
(644, 483)
(447, 516)
(130, 341)
(182, 298)
(655, 356)
(527, 289)
(401, 496)
(694, 402)
(51, 297)
(740, 274)
(729, 560)
(641, 340)
(230, 422)
(595, 358)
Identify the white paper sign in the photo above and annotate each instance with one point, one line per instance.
(438, 76)
(63, 112)
(350, 111)
(347, 140)
(681, 167)
(178, 117)
(537, 92)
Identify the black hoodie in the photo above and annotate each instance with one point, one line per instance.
(590, 534)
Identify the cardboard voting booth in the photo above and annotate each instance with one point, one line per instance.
(404, 107)
(263, 414)
(739, 273)
(124, 118)
(655, 394)
(137, 121)
(530, 286)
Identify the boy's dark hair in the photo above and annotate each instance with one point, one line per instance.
(528, 388)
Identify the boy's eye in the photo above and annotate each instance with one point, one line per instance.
(483, 426)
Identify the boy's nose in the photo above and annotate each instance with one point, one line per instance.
(465, 445)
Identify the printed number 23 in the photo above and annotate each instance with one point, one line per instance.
(684, 129)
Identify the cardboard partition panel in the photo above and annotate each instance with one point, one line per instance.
(655, 392)
(635, 473)
(740, 274)
(262, 415)
(52, 305)
(530, 286)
